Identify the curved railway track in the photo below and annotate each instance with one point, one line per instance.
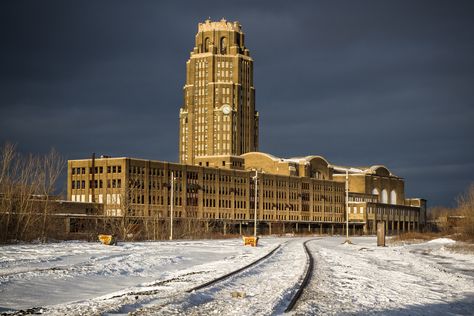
(232, 273)
(215, 293)
(307, 277)
(259, 269)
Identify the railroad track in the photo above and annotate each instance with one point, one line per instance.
(152, 302)
(215, 293)
(307, 277)
(228, 275)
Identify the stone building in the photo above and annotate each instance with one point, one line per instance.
(218, 143)
(218, 116)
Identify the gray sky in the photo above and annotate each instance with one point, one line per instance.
(358, 82)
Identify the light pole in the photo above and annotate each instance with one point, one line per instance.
(347, 208)
(172, 205)
(255, 178)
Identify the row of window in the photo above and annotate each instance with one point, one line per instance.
(99, 169)
(99, 184)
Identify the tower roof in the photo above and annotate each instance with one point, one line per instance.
(222, 25)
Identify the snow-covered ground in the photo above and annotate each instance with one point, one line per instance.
(362, 279)
(150, 278)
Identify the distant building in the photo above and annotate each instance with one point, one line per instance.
(218, 116)
(218, 155)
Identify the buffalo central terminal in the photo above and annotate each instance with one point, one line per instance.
(220, 164)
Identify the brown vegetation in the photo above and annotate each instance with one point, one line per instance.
(465, 211)
(413, 237)
(456, 223)
(26, 185)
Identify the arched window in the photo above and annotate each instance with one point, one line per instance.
(384, 196)
(206, 44)
(375, 191)
(223, 45)
(393, 197)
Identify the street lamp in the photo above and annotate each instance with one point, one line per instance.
(172, 205)
(255, 178)
(348, 241)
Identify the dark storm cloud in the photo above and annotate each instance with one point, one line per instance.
(359, 82)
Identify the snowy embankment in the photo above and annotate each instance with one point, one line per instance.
(86, 278)
(418, 279)
(149, 278)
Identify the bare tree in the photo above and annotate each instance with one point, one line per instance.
(6, 187)
(465, 208)
(26, 185)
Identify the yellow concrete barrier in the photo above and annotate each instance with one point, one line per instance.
(251, 241)
(107, 239)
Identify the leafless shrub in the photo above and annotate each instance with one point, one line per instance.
(26, 185)
(413, 237)
(465, 210)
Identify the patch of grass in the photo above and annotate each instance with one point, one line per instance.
(415, 237)
(461, 247)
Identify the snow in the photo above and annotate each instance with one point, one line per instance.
(149, 278)
(419, 279)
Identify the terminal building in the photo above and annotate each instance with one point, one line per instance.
(221, 175)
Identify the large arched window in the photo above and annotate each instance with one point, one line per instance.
(206, 44)
(223, 45)
(384, 196)
(393, 197)
(375, 191)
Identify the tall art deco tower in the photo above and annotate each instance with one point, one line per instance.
(218, 116)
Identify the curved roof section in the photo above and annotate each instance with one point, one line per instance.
(309, 158)
(380, 170)
(268, 156)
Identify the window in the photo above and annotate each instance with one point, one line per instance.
(223, 163)
(384, 196)
(223, 45)
(393, 197)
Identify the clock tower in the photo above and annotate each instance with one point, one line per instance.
(218, 117)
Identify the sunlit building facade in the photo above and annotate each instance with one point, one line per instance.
(220, 165)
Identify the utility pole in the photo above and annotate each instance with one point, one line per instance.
(255, 204)
(347, 207)
(172, 205)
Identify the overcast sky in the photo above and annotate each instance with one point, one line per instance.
(357, 82)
